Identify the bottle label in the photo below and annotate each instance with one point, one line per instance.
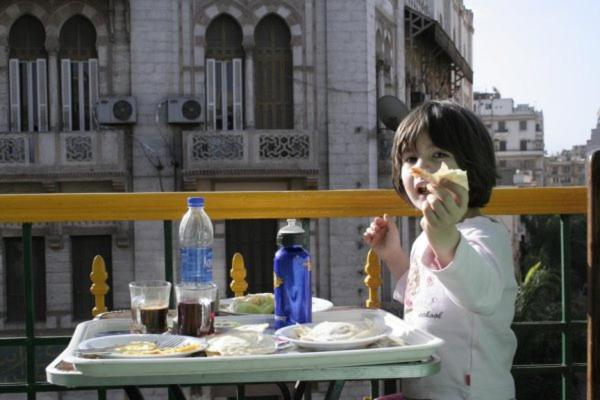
(196, 264)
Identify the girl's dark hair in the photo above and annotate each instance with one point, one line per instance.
(455, 129)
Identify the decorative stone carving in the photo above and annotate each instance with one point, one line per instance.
(284, 147)
(12, 150)
(217, 147)
(79, 148)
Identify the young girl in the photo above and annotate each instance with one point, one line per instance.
(458, 281)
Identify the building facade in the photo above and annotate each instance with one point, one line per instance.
(566, 168)
(518, 135)
(205, 95)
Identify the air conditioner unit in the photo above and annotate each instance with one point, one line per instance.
(116, 110)
(184, 110)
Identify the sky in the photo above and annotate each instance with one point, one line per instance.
(545, 53)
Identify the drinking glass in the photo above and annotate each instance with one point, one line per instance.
(196, 308)
(149, 306)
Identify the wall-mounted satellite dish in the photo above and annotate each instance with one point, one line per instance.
(391, 111)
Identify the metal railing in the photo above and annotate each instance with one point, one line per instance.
(32, 208)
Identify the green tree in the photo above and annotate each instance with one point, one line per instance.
(539, 297)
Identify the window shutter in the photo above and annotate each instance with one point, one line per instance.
(211, 117)
(65, 86)
(237, 94)
(42, 95)
(93, 81)
(15, 95)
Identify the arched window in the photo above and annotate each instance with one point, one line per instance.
(78, 73)
(224, 75)
(273, 75)
(28, 76)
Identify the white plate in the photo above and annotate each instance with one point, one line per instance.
(318, 305)
(289, 333)
(121, 340)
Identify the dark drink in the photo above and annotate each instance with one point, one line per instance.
(192, 321)
(154, 319)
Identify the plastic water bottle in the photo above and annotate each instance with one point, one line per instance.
(195, 243)
(291, 274)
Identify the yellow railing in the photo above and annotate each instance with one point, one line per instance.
(257, 205)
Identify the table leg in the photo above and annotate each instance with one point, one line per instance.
(133, 393)
(374, 389)
(241, 392)
(334, 390)
(299, 389)
(285, 392)
(176, 393)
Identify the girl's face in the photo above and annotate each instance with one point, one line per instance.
(425, 156)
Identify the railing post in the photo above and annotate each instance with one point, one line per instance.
(29, 310)
(99, 287)
(565, 279)
(593, 278)
(373, 280)
(238, 275)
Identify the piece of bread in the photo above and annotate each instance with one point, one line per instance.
(457, 176)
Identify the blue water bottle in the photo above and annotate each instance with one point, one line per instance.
(291, 275)
(195, 243)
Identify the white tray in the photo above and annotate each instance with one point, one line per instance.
(419, 346)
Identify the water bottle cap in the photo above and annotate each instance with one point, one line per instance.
(291, 234)
(195, 201)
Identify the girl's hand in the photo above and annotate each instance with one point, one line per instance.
(446, 205)
(384, 238)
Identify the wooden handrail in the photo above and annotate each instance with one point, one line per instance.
(256, 205)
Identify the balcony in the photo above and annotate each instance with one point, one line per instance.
(249, 152)
(48, 155)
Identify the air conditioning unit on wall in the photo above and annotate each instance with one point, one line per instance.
(184, 110)
(116, 110)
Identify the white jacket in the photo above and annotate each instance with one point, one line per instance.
(470, 304)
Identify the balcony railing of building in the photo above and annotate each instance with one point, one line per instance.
(167, 207)
(288, 152)
(42, 156)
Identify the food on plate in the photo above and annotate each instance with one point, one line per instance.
(238, 342)
(260, 303)
(457, 176)
(147, 348)
(339, 331)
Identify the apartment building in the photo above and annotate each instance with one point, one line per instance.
(566, 168)
(518, 135)
(203, 95)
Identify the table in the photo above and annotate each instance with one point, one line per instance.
(335, 367)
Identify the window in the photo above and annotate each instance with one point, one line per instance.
(538, 127)
(502, 163)
(273, 75)
(501, 126)
(224, 75)
(15, 279)
(523, 145)
(79, 73)
(27, 72)
(502, 145)
(522, 125)
(83, 251)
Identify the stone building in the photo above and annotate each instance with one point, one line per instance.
(205, 95)
(594, 142)
(566, 168)
(518, 135)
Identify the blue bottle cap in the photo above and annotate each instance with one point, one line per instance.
(195, 201)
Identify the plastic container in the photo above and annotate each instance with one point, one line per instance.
(292, 277)
(195, 244)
